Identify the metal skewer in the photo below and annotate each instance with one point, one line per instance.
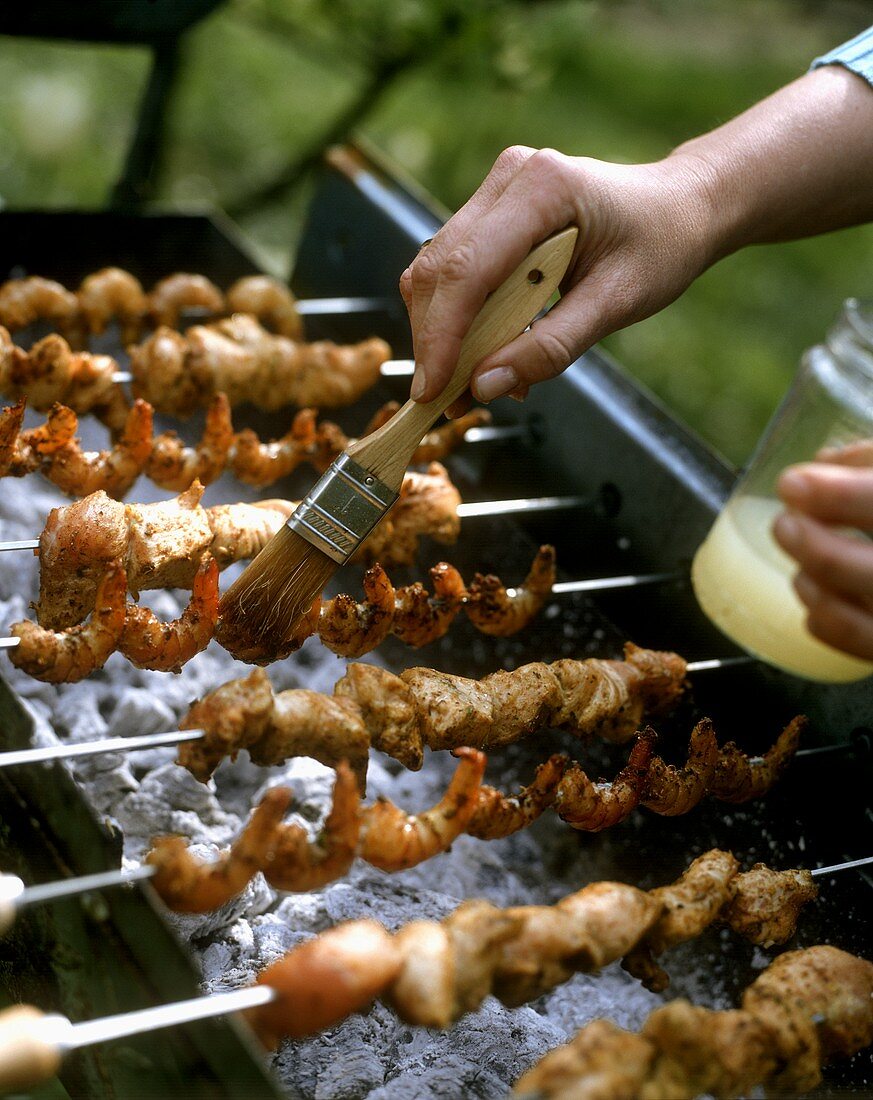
(15, 896)
(95, 748)
(818, 871)
(319, 307)
(465, 511)
(717, 663)
(391, 368)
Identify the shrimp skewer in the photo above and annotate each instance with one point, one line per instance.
(381, 834)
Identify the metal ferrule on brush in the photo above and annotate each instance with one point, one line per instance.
(343, 508)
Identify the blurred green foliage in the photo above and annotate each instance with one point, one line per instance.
(442, 86)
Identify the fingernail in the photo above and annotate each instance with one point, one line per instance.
(794, 487)
(419, 384)
(788, 532)
(495, 383)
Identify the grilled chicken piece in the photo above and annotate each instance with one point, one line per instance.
(443, 711)
(113, 293)
(807, 1008)
(394, 718)
(24, 301)
(240, 358)
(180, 292)
(441, 969)
(270, 301)
(245, 714)
(52, 373)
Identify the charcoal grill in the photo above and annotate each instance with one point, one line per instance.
(654, 488)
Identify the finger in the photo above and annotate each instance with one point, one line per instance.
(835, 494)
(531, 207)
(417, 283)
(550, 345)
(835, 561)
(859, 453)
(834, 620)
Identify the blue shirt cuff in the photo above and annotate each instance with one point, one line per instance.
(856, 55)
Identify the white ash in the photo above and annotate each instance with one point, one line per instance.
(145, 793)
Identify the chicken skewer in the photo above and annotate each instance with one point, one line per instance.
(178, 374)
(383, 835)
(454, 962)
(115, 293)
(400, 715)
(433, 972)
(345, 626)
(53, 450)
(807, 1008)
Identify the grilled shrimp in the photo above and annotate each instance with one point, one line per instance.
(172, 465)
(420, 618)
(350, 628)
(112, 292)
(393, 840)
(294, 862)
(22, 452)
(164, 647)
(23, 301)
(443, 440)
(16, 459)
(496, 610)
(671, 791)
(79, 473)
(260, 464)
(596, 806)
(180, 292)
(188, 885)
(439, 441)
(270, 301)
(498, 815)
(70, 655)
(740, 778)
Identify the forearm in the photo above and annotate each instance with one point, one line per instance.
(798, 163)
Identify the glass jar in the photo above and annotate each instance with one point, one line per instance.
(741, 578)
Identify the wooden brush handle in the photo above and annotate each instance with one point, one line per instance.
(506, 313)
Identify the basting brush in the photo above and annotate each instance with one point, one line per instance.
(263, 611)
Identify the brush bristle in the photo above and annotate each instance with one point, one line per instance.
(272, 607)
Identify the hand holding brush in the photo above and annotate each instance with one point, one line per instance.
(266, 612)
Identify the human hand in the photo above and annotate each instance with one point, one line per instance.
(642, 240)
(835, 580)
